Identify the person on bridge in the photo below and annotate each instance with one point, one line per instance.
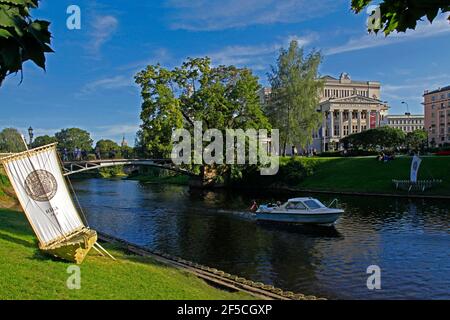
(98, 156)
(77, 154)
(65, 155)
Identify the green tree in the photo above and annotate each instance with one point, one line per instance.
(107, 148)
(43, 141)
(382, 137)
(400, 15)
(21, 37)
(74, 138)
(417, 139)
(11, 141)
(127, 152)
(292, 105)
(223, 97)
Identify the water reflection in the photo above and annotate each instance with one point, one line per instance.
(408, 239)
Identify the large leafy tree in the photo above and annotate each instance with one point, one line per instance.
(292, 105)
(400, 15)
(107, 147)
(417, 139)
(223, 97)
(74, 138)
(43, 141)
(382, 137)
(21, 37)
(11, 141)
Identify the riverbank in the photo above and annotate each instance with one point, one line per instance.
(26, 273)
(366, 175)
(176, 179)
(359, 175)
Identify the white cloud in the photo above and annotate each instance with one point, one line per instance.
(160, 55)
(411, 90)
(424, 30)
(257, 57)
(208, 15)
(103, 27)
(116, 132)
(112, 83)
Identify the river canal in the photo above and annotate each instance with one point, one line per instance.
(408, 239)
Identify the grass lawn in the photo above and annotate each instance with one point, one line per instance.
(26, 273)
(7, 194)
(365, 174)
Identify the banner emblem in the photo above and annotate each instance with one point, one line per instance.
(41, 185)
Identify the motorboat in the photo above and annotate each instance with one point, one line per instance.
(300, 210)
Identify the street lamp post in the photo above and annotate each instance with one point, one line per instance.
(31, 135)
(407, 108)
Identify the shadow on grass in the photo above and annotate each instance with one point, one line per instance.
(15, 240)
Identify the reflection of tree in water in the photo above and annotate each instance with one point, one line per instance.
(395, 233)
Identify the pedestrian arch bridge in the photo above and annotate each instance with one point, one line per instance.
(73, 167)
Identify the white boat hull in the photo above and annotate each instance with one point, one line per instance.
(322, 219)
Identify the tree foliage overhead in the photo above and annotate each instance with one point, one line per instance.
(292, 105)
(400, 15)
(11, 141)
(223, 97)
(21, 37)
(382, 137)
(74, 138)
(43, 141)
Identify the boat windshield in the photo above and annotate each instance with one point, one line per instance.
(295, 206)
(313, 204)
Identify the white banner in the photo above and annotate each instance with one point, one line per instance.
(415, 168)
(38, 181)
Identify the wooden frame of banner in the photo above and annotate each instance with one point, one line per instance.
(73, 246)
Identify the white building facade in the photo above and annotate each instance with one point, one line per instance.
(406, 122)
(348, 107)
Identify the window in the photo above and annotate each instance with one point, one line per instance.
(295, 206)
(312, 204)
(291, 205)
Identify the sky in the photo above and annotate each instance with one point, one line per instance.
(89, 80)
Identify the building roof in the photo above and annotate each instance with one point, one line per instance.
(446, 88)
(405, 116)
(328, 78)
(354, 98)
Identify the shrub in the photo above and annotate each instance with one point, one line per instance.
(292, 171)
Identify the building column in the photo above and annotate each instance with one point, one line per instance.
(350, 122)
(377, 119)
(359, 121)
(341, 124)
(368, 112)
(331, 131)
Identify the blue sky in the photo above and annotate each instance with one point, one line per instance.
(89, 79)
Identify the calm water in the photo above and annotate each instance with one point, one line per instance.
(408, 239)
